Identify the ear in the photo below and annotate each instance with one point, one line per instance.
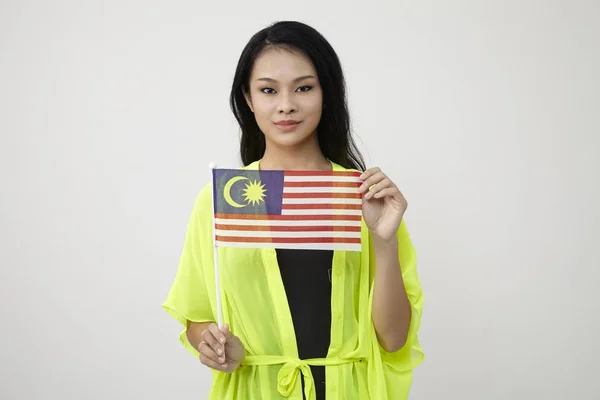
(248, 100)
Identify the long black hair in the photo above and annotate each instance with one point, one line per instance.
(335, 139)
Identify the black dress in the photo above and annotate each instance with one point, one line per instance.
(306, 276)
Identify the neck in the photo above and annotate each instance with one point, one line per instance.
(305, 156)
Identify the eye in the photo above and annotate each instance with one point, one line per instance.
(304, 88)
(268, 90)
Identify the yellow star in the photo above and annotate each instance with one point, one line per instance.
(254, 193)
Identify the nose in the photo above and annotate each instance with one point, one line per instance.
(287, 104)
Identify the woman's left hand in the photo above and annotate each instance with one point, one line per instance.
(383, 205)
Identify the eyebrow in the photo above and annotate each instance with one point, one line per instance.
(300, 78)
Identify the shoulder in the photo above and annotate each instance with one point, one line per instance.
(338, 167)
(202, 207)
(204, 197)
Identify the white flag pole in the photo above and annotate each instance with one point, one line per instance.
(212, 167)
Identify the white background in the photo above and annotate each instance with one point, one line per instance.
(486, 114)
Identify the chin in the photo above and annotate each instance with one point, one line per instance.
(289, 139)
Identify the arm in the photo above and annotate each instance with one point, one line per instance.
(383, 209)
(190, 296)
(391, 307)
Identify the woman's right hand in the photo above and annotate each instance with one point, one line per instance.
(220, 349)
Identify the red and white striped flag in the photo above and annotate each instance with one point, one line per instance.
(287, 209)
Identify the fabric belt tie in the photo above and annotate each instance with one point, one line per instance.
(288, 375)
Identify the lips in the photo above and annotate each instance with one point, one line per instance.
(287, 125)
(287, 122)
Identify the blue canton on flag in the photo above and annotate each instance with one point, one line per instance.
(238, 191)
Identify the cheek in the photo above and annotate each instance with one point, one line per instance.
(263, 113)
(313, 108)
(263, 109)
(314, 103)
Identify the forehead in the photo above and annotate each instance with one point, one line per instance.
(282, 65)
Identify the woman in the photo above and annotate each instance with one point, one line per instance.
(310, 324)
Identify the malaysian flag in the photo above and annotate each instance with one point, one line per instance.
(287, 209)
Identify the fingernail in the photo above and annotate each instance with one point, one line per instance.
(220, 351)
(222, 340)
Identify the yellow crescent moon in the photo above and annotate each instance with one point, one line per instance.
(227, 191)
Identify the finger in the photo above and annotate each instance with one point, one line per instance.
(207, 353)
(389, 192)
(209, 338)
(370, 175)
(372, 180)
(217, 333)
(384, 184)
(369, 172)
(230, 339)
(226, 332)
(213, 364)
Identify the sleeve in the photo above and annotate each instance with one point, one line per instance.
(411, 354)
(395, 368)
(192, 294)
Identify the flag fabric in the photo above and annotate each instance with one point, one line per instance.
(287, 209)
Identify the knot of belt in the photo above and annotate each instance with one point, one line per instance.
(288, 375)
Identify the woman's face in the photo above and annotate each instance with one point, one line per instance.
(285, 97)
